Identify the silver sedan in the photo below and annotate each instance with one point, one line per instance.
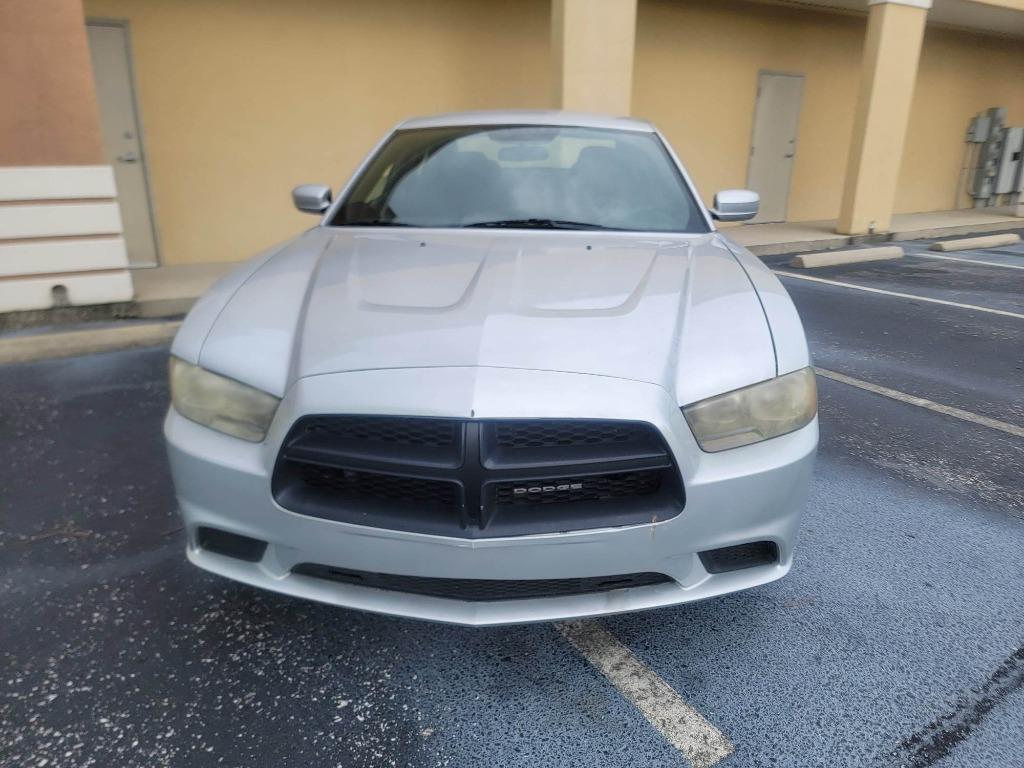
(514, 374)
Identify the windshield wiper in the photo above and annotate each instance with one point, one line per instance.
(376, 223)
(536, 224)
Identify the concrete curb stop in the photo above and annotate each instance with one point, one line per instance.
(849, 256)
(31, 347)
(969, 243)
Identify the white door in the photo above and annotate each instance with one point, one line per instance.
(776, 117)
(122, 141)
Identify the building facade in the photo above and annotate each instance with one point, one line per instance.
(138, 133)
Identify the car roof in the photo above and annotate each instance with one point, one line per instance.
(528, 117)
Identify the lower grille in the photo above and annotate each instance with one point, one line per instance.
(481, 589)
(231, 544)
(739, 557)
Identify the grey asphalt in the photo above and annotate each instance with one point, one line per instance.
(938, 278)
(966, 359)
(896, 641)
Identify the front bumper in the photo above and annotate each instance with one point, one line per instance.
(755, 493)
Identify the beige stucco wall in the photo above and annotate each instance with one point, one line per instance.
(592, 55)
(696, 77)
(892, 49)
(959, 75)
(243, 99)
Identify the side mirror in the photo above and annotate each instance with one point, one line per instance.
(735, 205)
(312, 198)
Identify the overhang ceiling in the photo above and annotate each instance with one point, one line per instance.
(957, 14)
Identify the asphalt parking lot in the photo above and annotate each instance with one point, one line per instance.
(897, 640)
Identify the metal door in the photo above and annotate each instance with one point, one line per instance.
(122, 137)
(773, 147)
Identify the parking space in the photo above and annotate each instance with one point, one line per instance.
(961, 357)
(957, 353)
(897, 640)
(1005, 255)
(977, 280)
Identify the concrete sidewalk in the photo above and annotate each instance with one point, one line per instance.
(801, 237)
(170, 291)
(84, 339)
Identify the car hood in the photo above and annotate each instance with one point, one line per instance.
(676, 311)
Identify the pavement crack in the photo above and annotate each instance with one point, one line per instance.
(66, 530)
(937, 739)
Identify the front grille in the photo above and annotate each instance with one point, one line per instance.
(433, 433)
(566, 490)
(481, 589)
(541, 433)
(417, 441)
(351, 483)
(475, 478)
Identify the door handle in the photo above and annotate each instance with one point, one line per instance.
(128, 157)
(791, 154)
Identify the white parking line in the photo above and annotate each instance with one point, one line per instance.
(915, 297)
(968, 261)
(921, 402)
(681, 725)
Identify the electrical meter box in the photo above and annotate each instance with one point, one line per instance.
(1009, 161)
(989, 154)
(978, 131)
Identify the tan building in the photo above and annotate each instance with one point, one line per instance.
(136, 133)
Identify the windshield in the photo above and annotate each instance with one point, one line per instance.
(545, 177)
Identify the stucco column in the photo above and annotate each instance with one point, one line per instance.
(60, 224)
(891, 52)
(592, 48)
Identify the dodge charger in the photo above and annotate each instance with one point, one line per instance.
(514, 373)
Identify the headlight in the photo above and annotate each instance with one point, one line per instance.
(220, 403)
(752, 414)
